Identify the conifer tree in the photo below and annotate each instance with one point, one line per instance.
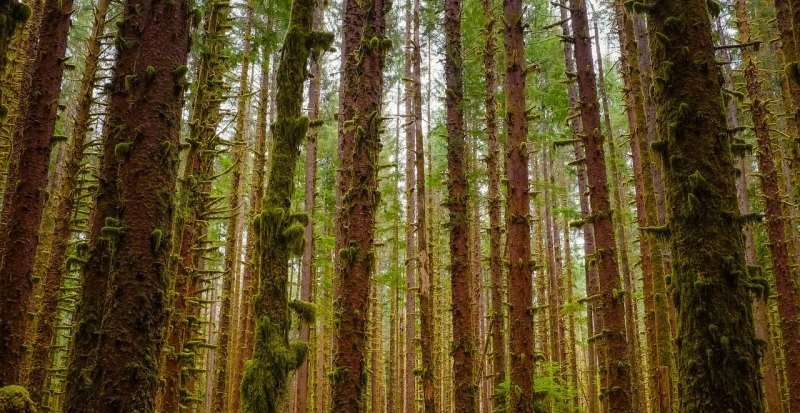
(709, 282)
(280, 232)
(115, 364)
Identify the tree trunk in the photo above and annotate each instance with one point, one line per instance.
(617, 370)
(14, 15)
(280, 233)
(494, 203)
(232, 236)
(631, 319)
(359, 145)
(246, 330)
(67, 197)
(24, 201)
(710, 291)
(520, 294)
(309, 273)
(130, 239)
(775, 217)
(465, 383)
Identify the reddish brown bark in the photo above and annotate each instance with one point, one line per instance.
(25, 198)
(464, 380)
(518, 215)
(359, 144)
(132, 218)
(494, 202)
(45, 331)
(617, 370)
(774, 215)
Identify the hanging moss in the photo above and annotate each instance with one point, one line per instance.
(304, 309)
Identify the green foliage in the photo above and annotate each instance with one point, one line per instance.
(122, 149)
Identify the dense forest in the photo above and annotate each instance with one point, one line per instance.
(344, 206)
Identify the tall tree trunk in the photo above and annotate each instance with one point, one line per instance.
(617, 370)
(280, 233)
(130, 238)
(67, 197)
(464, 347)
(520, 294)
(775, 217)
(309, 273)
(710, 290)
(494, 203)
(410, 393)
(14, 14)
(24, 201)
(359, 145)
(249, 282)
(593, 356)
(232, 236)
(631, 319)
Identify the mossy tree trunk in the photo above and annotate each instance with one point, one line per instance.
(465, 383)
(616, 373)
(521, 347)
(775, 217)
(426, 308)
(14, 14)
(230, 276)
(249, 282)
(24, 202)
(130, 238)
(67, 202)
(631, 315)
(280, 233)
(593, 356)
(717, 349)
(364, 49)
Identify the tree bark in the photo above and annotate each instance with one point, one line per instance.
(67, 201)
(364, 51)
(464, 380)
(25, 198)
(520, 294)
(280, 233)
(130, 239)
(710, 290)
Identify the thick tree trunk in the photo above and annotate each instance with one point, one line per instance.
(130, 238)
(520, 292)
(465, 384)
(280, 233)
(24, 201)
(364, 50)
(710, 290)
(67, 197)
